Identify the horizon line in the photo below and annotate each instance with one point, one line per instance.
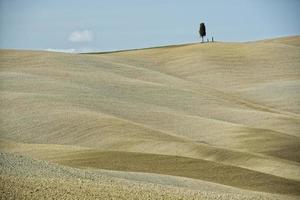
(145, 48)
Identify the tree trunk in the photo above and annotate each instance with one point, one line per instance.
(202, 38)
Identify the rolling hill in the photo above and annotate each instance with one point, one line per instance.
(197, 121)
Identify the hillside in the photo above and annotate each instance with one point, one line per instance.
(224, 117)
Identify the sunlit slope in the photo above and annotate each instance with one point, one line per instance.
(233, 67)
(231, 104)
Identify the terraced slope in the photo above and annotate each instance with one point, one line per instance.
(226, 113)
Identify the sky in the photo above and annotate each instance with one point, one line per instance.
(105, 25)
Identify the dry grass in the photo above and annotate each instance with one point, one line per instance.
(233, 105)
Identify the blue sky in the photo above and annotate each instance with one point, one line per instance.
(103, 25)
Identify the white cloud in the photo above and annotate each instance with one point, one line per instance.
(81, 36)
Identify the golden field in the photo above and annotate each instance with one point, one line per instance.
(196, 121)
